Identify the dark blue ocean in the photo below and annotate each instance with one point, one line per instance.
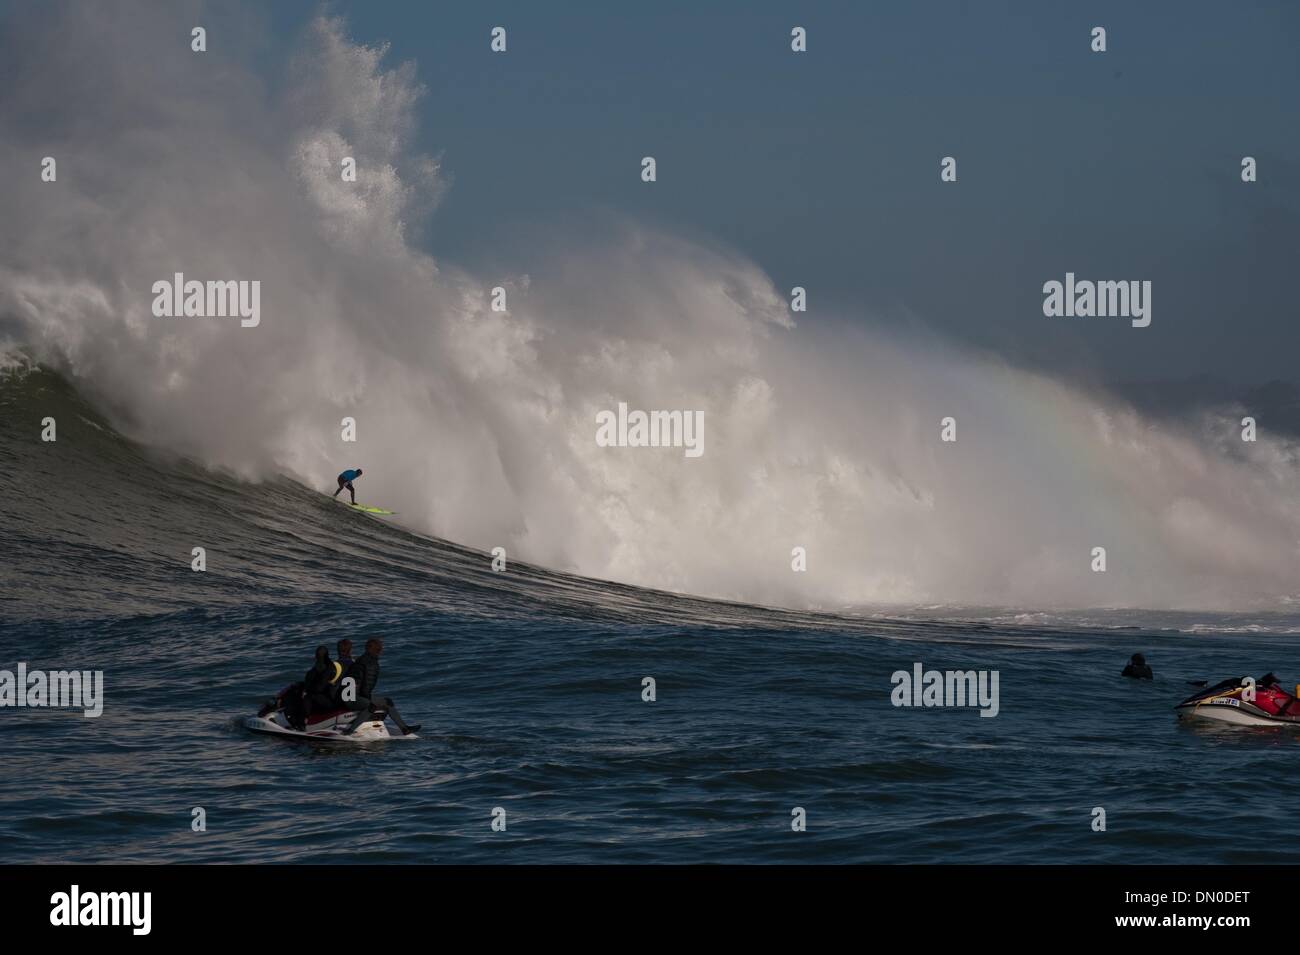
(529, 686)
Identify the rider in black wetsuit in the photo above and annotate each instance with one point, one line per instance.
(318, 683)
(365, 671)
(1137, 668)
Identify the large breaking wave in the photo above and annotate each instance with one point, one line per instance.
(478, 426)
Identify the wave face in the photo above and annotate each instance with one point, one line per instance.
(479, 426)
(102, 528)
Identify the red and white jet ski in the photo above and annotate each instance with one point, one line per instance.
(1228, 702)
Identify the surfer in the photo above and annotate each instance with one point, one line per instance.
(1137, 668)
(345, 481)
(365, 671)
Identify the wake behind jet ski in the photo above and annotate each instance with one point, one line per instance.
(1231, 702)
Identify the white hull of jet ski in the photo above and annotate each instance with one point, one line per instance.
(1236, 712)
(328, 728)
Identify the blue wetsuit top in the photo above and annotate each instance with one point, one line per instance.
(349, 475)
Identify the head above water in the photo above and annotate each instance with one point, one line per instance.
(374, 646)
(1139, 660)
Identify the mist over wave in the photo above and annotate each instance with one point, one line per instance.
(479, 426)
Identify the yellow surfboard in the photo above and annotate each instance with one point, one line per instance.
(368, 509)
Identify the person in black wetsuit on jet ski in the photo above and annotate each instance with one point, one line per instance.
(319, 682)
(365, 671)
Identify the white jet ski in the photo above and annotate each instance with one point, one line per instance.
(327, 727)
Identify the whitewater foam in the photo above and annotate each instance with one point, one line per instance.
(476, 425)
